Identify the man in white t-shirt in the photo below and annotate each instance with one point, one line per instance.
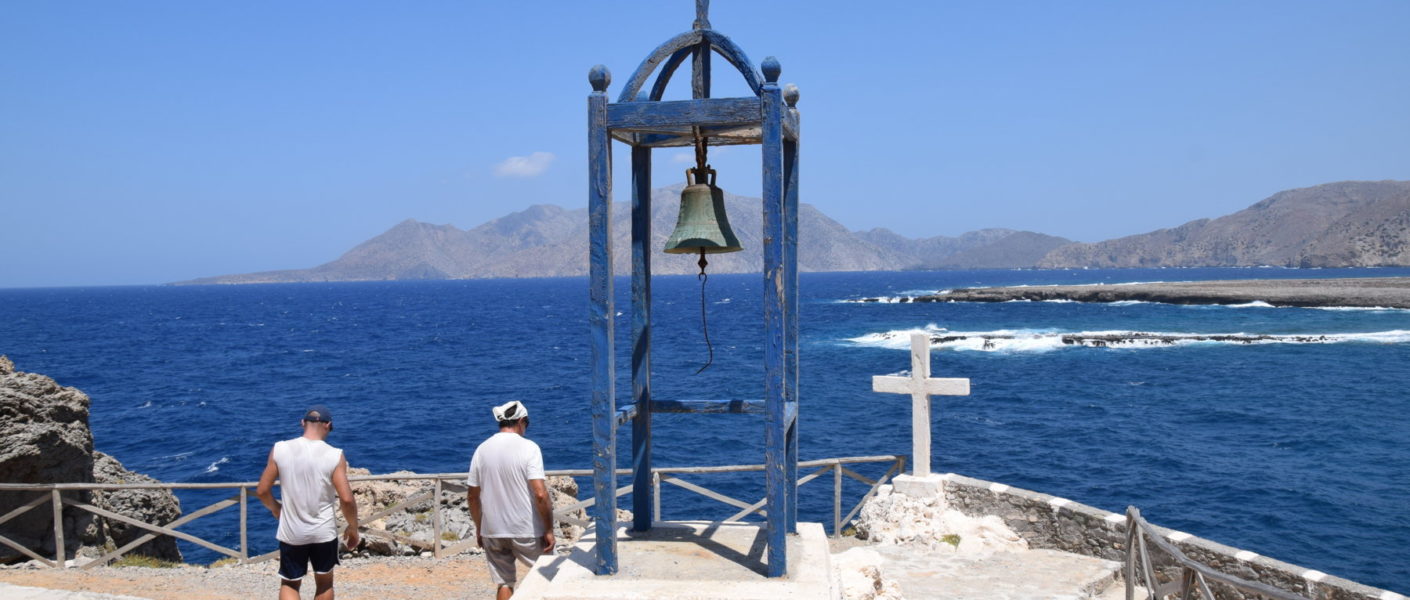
(508, 499)
(313, 477)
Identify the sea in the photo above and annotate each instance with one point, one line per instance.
(1296, 447)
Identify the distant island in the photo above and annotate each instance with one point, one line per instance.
(1367, 292)
(1344, 224)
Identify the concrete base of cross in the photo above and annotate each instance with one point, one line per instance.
(924, 486)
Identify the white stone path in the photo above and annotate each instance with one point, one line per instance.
(19, 592)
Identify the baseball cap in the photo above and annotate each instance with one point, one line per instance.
(318, 412)
(510, 411)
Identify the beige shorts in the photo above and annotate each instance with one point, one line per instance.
(501, 552)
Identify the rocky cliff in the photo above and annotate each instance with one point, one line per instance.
(44, 438)
(1345, 224)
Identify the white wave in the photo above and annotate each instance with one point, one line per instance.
(877, 300)
(1036, 340)
(147, 404)
(1254, 304)
(1361, 308)
(215, 466)
(1128, 302)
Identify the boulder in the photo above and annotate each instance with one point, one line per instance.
(150, 506)
(44, 438)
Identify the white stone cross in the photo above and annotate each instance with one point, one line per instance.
(921, 386)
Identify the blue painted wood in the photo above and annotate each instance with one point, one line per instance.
(720, 43)
(775, 309)
(705, 112)
(600, 322)
(661, 53)
(700, 71)
(669, 68)
(708, 406)
(702, 15)
(683, 139)
(790, 265)
(642, 488)
(625, 414)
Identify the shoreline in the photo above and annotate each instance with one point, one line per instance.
(1360, 292)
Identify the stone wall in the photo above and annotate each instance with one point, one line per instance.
(1050, 522)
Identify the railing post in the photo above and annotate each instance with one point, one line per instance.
(656, 493)
(58, 502)
(1130, 557)
(244, 525)
(837, 499)
(436, 519)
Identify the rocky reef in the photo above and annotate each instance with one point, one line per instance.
(44, 438)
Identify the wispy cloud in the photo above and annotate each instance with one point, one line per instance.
(532, 165)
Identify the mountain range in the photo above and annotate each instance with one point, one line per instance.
(1352, 223)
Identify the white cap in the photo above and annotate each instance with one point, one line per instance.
(510, 411)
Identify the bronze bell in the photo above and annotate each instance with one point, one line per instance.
(702, 225)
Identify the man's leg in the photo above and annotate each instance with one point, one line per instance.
(288, 590)
(503, 594)
(322, 586)
(324, 557)
(293, 564)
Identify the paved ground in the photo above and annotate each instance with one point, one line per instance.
(1027, 575)
(16, 592)
(921, 575)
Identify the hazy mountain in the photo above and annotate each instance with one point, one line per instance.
(550, 241)
(1337, 224)
(1344, 224)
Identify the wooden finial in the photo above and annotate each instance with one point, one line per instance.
(790, 95)
(702, 14)
(600, 78)
(771, 69)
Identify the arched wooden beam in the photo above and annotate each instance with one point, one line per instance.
(721, 44)
(668, 69)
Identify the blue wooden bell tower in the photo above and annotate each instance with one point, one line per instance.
(643, 121)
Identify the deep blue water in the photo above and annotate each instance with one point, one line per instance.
(1295, 451)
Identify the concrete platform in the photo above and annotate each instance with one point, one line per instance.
(1026, 575)
(694, 560)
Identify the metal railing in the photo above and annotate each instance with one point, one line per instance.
(53, 495)
(1194, 576)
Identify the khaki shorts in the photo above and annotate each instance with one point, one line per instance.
(501, 552)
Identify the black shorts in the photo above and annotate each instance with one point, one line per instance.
(293, 560)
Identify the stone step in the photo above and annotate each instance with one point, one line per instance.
(1024, 575)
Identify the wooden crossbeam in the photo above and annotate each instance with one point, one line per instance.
(21, 510)
(872, 492)
(26, 551)
(149, 527)
(857, 476)
(708, 493)
(128, 547)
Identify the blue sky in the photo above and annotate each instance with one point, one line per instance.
(146, 142)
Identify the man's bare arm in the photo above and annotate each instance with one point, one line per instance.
(346, 501)
(544, 503)
(265, 489)
(472, 500)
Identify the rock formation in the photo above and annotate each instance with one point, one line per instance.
(44, 438)
(892, 518)
(411, 527)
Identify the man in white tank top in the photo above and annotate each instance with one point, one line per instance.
(313, 476)
(508, 499)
